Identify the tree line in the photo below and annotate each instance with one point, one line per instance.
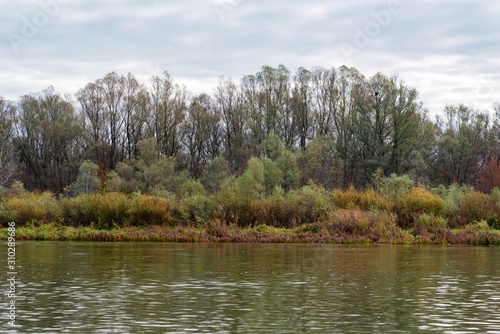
(333, 126)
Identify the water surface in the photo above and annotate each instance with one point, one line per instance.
(244, 288)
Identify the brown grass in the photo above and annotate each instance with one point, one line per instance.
(417, 202)
(362, 199)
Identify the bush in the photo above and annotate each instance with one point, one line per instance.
(495, 195)
(238, 196)
(417, 202)
(393, 187)
(319, 162)
(191, 188)
(227, 201)
(195, 209)
(493, 222)
(275, 210)
(429, 223)
(375, 226)
(475, 206)
(88, 180)
(312, 200)
(352, 198)
(214, 174)
(149, 210)
(452, 197)
(217, 229)
(301, 206)
(27, 208)
(105, 210)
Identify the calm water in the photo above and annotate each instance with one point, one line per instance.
(241, 288)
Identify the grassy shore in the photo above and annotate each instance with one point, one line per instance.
(458, 215)
(476, 234)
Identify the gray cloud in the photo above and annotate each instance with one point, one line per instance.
(447, 49)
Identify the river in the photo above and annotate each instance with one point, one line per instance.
(67, 287)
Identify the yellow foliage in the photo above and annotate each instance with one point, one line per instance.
(105, 210)
(32, 208)
(363, 200)
(418, 201)
(475, 206)
(149, 210)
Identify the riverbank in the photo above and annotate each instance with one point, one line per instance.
(311, 214)
(476, 234)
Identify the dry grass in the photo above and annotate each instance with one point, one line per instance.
(149, 210)
(417, 202)
(362, 199)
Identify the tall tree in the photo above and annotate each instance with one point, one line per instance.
(229, 102)
(168, 108)
(302, 105)
(325, 96)
(136, 106)
(8, 165)
(267, 95)
(343, 111)
(464, 145)
(113, 91)
(201, 133)
(95, 130)
(49, 140)
(386, 125)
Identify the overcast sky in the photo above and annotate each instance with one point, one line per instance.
(448, 50)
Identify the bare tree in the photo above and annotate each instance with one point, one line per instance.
(136, 106)
(113, 91)
(95, 129)
(49, 140)
(201, 135)
(168, 105)
(302, 105)
(8, 164)
(229, 102)
(324, 97)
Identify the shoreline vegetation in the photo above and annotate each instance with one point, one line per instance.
(319, 155)
(457, 215)
(474, 235)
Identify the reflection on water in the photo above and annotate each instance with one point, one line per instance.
(230, 288)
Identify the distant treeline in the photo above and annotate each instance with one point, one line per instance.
(332, 126)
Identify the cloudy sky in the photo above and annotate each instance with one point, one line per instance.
(449, 50)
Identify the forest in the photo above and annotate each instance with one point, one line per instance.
(274, 133)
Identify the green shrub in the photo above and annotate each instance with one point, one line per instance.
(149, 210)
(480, 227)
(429, 223)
(275, 210)
(475, 206)
(227, 201)
(27, 208)
(495, 196)
(494, 222)
(393, 187)
(105, 210)
(312, 200)
(273, 176)
(452, 197)
(195, 209)
(352, 198)
(417, 202)
(88, 180)
(301, 206)
(214, 174)
(191, 188)
(238, 197)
